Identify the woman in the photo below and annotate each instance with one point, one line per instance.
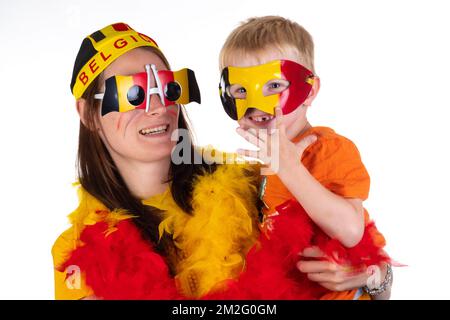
(125, 168)
(148, 227)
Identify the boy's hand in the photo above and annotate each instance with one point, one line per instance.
(275, 148)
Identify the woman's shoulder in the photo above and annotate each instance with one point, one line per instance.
(63, 245)
(90, 213)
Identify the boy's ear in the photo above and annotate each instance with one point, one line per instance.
(81, 105)
(313, 93)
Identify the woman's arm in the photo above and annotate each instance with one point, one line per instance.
(337, 277)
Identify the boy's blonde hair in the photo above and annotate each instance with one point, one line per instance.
(262, 33)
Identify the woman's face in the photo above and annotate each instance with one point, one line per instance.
(138, 135)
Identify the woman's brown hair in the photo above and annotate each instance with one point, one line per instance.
(99, 176)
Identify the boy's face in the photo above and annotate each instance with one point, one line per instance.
(295, 121)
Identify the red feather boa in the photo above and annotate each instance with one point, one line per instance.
(122, 265)
(271, 271)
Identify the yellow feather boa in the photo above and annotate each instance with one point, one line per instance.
(213, 241)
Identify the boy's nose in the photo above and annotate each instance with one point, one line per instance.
(156, 106)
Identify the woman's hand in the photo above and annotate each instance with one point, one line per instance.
(336, 277)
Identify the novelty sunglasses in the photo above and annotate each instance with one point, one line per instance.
(126, 93)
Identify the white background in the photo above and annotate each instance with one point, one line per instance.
(384, 67)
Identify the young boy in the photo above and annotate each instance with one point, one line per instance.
(268, 82)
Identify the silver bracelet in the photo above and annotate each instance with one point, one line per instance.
(383, 286)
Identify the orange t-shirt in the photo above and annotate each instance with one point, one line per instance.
(335, 162)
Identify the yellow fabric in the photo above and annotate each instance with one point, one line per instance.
(61, 249)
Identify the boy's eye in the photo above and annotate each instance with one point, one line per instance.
(275, 86)
(237, 91)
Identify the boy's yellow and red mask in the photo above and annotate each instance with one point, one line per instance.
(253, 79)
(124, 93)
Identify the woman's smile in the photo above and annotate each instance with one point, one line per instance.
(155, 130)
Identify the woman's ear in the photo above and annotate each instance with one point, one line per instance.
(313, 93)
(81, 105)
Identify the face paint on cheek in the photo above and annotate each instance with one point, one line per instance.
(119, 121)
(174, 110)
